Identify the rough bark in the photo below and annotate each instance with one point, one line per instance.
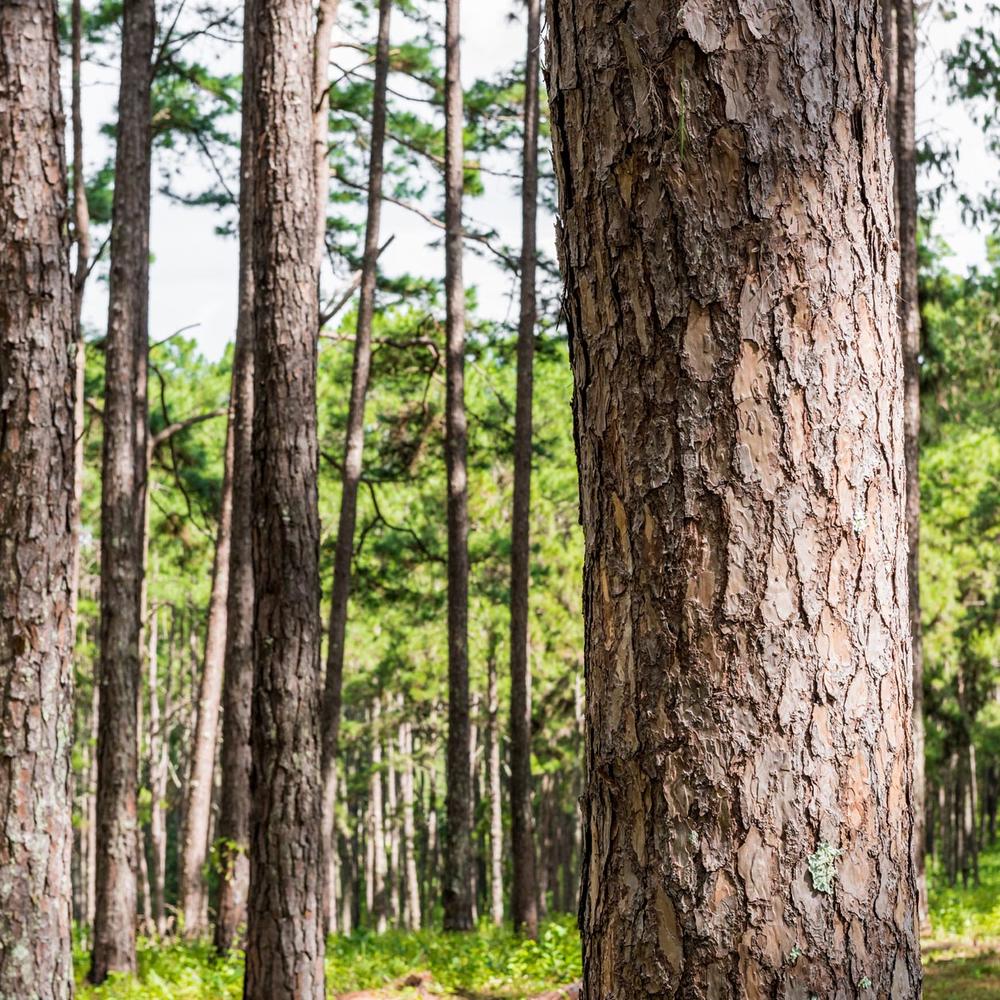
(524, 890)
(354, 440)
(36, 504)
(909, 323)
(122, 504)
(197, 814)
(285, 943)
(233, 839)
(726, 239)
(456, 892)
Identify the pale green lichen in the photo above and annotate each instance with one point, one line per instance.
(865, 984)
(822, 867)
(793, 955)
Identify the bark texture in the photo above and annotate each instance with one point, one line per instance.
(354, 443)
(123, 478)
(456, 892)
(285, 915)
(198, 810)
(524, 888)
(726, 238)
(909, 322)
(36, 505)
(233, 840)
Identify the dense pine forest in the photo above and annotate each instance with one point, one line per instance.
(570, 566)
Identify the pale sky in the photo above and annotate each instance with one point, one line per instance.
(193, 276)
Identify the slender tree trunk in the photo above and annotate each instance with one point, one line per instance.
(971, 808)
(285, 929)
(392, 839)
(411, 911)
(730, 297)
(496, 801)
(81, 237)
(92, 813)
(158, 762)
(377, 825)
(123, 504)
(524, 891)
(457, 894)
(234, 814)
(326, 19)
(36, 510)
(197, 815)
(354, 440)
(909, 322)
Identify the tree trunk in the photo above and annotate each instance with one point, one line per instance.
(285, 935)
(909, 324)
(730, 294)
(232, 842)
(456, 894)
(411, 917)
(158, 773)
(524, 891)
(326, 19)
(392, 839)
(971, 807)
(123, 504)
(496, 801)
(379, 901)
(81, 237)
(354, 440)
(197, 815)
(36, 509)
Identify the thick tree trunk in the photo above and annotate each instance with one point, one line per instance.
(36, 510)
(496, 801)
(727, 245)
(524, 891)
(233, 839)
(457, 895)
(285, 933)
(354, 440)
(909, 323)
(123, 504)
(197, 815)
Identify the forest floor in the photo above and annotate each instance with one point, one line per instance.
(961, 959)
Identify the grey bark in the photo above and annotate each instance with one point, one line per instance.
(457, 895)
(285, 933)
(524, 890)
(123, 479)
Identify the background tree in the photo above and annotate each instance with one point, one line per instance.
(123, 505)
(285, 933)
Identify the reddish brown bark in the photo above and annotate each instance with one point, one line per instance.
(197, 813)
(727, 242)
(36, 504)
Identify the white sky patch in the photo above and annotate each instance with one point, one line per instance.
(193, 277)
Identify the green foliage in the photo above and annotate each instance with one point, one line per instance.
(966, 913)
(490, 961)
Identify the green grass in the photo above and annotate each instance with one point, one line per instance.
(490, 963)
(961, 957)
